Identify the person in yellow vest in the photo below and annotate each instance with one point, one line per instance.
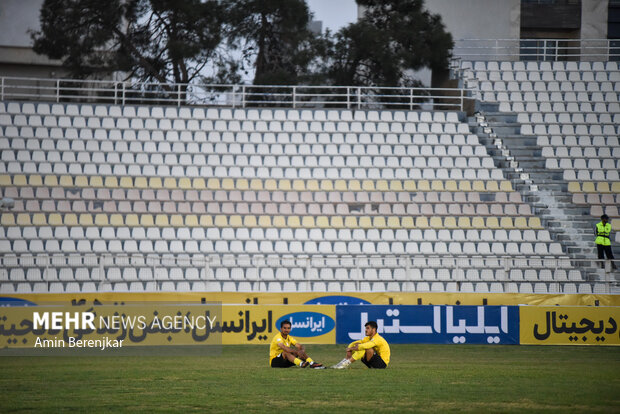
(373, 350)
(603, 241)
(285, 351)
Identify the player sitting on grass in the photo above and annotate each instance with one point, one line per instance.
(373, 350)
(283, 355)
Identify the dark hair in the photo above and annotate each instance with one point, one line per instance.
(285, 322)
(372, 324)
(604, 217)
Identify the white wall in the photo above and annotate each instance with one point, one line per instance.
(16, 18)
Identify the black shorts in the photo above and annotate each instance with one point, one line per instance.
(281, 362)
(375, 362)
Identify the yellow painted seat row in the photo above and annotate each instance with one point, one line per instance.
(268, 221)
(186, 183)
(593, 187)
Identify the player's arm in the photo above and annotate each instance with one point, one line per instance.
(365, 345)
(285, 348)
(353, 346)
(300, 346)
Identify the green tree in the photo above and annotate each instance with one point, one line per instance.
(151, 40)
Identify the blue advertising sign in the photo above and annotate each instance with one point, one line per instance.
(428, 324)
(307, 324)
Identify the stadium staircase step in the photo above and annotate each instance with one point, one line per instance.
(520, 159)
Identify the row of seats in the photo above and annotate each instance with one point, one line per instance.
(507, 105)
(608, 88)
(591, 175)
(567, 147)
(265, 221)
(217, 286)
(580, 163)
(589, 187)
(609, 99)
(545, 75)
(172, 113)
(242, 184)
(570, 129)
(569, 117)
(533, 66)
(273, 234)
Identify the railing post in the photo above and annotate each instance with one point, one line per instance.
(359, 98)
(57, 90)
(462, 100)
(178, 95)
(411, 99)
(234, 95)
(243, 96)
(2, 89)
(123, 99)
(115, 93)
(294, 97)
(348, 98)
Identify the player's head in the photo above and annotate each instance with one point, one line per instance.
(370, 328)
(604, 218)
(285, 327)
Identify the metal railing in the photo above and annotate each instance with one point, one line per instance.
(236, 96)
(538, 49)
(106, 268)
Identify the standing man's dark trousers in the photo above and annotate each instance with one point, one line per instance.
(605, 251)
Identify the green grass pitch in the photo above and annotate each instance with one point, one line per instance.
(420, 378)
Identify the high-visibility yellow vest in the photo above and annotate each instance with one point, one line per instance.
(602, 234)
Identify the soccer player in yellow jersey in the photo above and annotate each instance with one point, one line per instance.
(285, 351)
(373, 350)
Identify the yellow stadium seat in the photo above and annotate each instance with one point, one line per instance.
(396, 185)
(235, 221)
(615, 188)
(176, 220)
(170, 183)
(81, 181)
(146, 220)
(354, 185)
(437, 185)
(35, 180)
(95, 181)
(312, 185)
(393, 222)
(191, 220)
(141, 182)
(603, 188)
(250, 221)
(264, 221)
(271, 185)
(382, 185)
(110, 182)
(54, 219)
(615, 223)
(206, 220)
(450, 223)
(221, 221)
(535, 223)
(102, 220)
(20, 180)
(185, 183)
(39, 219)
(117, 220)
(407, 222)
(436, 222)
(337, 222)
(574, 187)
(327, 185)
(464, 185)
(52, 181)
(307, 222)
(242, 184)
(588, 187)
(478, 186)
(299, 185)
(506, 223)
(350, 222)
(492, 186)
(86, 219)
(284, 184)
(451, 185)
(161, 220)
(278, 221)
(256, 184)
(423, 185)
(70, 219)
(379, 222)
(132, 220)
(364, 222)
(293, 222)
(421, 222)
(228, 184)
(5, 180)
(322, 222)
(23, 219)
(409, 185)
(213, 184)
(340, 185)
(464, 223)
(7, 219)
(126, 182)
(521, 223)
(478, 223)
(492, 223)
(368, 185)
(506, 186)
(155, 183)
(199, 184)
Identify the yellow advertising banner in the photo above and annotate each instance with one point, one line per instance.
(566, 325)
(314, 298)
